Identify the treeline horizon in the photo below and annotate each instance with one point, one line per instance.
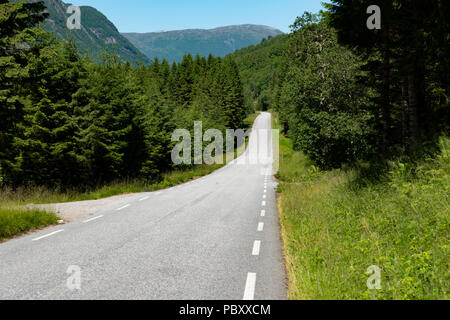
(67, 122)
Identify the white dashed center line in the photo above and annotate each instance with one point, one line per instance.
(260, 226)
(264, 196)
(48, 235)
(263, 213)
(263, 203)
(256, 248)
(249, 293)
(125, 206)
(145, 198)
(92, 219)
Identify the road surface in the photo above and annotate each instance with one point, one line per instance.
(213, 238)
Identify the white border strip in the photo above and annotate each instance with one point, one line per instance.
(48, 235)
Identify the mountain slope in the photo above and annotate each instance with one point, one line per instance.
(258, 66)
(172, 45)
(96, 33)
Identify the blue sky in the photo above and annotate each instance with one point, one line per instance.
(152, 15)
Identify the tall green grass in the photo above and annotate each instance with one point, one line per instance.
(334, 228)
(16, 221)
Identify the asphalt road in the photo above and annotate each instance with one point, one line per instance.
(214, 238)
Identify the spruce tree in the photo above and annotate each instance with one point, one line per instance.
(17, 40)
(235, 111)
(48, 151)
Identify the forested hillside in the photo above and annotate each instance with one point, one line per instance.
(96, 35)
(69, 122)
(258, 66)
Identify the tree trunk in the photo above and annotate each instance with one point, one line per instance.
(386, 102)
(413, 109)
(405, 111)
(419, 75)
(418, 115)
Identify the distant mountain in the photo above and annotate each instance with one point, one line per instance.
(172, 45)
(96, 33)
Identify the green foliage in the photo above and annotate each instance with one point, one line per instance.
(47, 151)
(234, 110)
(320, 99)
(17, 48)
(408, 60)
(15, 221)
(334, 228)
(347, 94)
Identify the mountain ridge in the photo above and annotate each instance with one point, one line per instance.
(220, 41)
(211, 29)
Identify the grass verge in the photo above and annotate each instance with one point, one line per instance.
(334, 228)
(17, 221)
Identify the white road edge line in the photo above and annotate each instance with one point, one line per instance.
(48, 235)
(92, 219)
(256, 248)
(249, 293)
(261, 226)
(121, 208)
